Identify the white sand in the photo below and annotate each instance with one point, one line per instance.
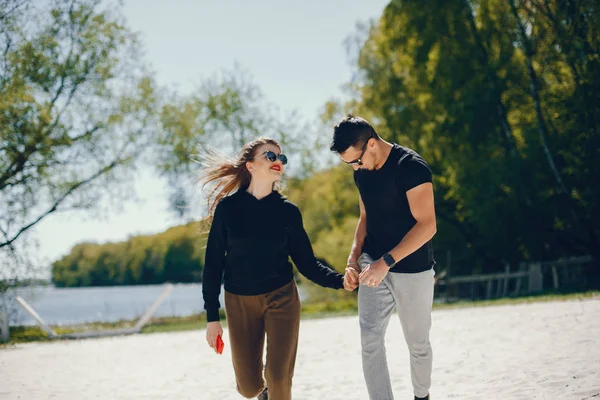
(537, 351)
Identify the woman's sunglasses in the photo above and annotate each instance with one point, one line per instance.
(272, 157)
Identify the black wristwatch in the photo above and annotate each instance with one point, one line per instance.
(389, 260)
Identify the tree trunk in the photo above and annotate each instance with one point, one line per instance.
(543, 129)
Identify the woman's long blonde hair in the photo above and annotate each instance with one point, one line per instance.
(227, 175)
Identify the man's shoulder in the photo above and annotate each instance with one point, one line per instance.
(406, 156)
(412, 169)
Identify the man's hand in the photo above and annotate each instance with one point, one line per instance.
(373, 273)
(213, 329)
(351, 278)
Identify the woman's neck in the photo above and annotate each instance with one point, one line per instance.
(260, 189)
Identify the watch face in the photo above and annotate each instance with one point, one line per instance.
(389, 260)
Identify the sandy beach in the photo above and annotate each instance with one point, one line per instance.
(530, 351)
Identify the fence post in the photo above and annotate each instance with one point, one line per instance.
(505, 285)
(488, 292)
(536, 279)
(555, 276)
(4, 328)
(499, 283)
(517, 291)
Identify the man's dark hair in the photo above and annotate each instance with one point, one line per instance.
(351, 131)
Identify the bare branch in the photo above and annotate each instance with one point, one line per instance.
(117, 161)
(16, 5)
(87, 133)
(7, 47)
(66, 106)
(60, 200)
(67, 62)
(17, 165)
(4, 233)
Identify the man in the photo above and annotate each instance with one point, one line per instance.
(392, 250)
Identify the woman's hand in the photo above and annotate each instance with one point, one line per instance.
(351, 278)
(213, 329)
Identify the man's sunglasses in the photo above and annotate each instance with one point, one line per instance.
(272, 157)
(358, 161)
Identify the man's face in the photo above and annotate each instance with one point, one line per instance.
(360, 158)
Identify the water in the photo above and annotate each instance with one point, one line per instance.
(69, 306)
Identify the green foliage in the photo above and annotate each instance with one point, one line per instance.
(325, 199)
(176, 255)
(505, 110)
(329, 204)
(24, 334)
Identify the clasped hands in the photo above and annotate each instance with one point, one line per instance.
(371, 275)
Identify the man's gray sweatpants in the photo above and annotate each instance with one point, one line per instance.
(412, 295)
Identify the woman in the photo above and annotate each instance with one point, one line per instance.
(253, 232)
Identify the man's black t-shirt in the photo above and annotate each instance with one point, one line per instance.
(389, 219)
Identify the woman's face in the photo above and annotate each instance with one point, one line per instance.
(267, 164)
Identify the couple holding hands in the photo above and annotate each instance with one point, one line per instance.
(255, 230)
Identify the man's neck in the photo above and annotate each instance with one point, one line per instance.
(382, 152)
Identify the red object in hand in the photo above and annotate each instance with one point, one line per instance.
(220, 345)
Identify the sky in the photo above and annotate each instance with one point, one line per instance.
(293, 50)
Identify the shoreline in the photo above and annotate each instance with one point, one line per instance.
(336, 307)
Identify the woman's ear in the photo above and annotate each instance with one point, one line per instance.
(249, 166)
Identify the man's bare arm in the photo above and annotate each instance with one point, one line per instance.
(420, 201)
(359, 234)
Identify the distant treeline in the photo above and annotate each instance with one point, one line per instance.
(176, 255)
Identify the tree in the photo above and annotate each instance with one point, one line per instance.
(535, 24)
(76, 111)
(501, 99)
(225, 112)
